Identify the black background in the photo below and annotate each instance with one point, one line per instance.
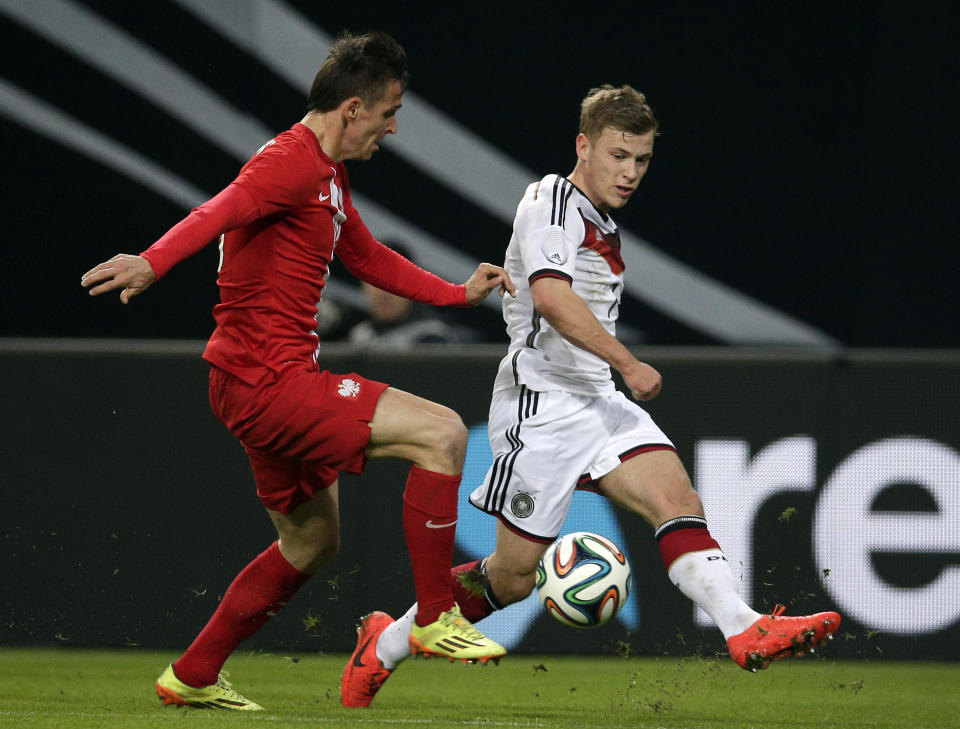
(807, 154)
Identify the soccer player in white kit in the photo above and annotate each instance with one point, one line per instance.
(558, 423)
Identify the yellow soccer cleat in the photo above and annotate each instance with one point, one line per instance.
(173, 692)
(454, 637)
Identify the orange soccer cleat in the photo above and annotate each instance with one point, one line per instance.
(777, 636)
(364, 674)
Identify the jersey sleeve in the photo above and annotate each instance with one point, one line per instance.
(547, 233)
(369, 260)
(229, 209)
(282, 175)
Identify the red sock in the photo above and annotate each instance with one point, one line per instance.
(472, 591)
(681, 535)
(262, 587)
(429, 524)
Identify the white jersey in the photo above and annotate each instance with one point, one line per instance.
(559, 233)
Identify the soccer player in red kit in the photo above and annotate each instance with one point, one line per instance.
(280, 223)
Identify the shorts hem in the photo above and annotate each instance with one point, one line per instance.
(515, 529)
(360, 462)
(645, 448)
(588, 482)
(287, 505)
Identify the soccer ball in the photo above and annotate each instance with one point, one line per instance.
(583, 579)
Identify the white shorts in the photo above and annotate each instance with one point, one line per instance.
(548, 444)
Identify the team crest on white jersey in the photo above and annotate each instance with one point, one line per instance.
(348, 388)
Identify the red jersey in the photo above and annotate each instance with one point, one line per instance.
(282, 219)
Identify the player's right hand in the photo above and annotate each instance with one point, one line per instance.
(644, 381)
(132, 274)
(485, 279)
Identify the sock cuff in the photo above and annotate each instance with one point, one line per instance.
(431, 493)
(685, 540)
(488, 595)
(422, 473)
(689, 521)
(272, 559)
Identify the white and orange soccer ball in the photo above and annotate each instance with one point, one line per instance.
(583, 579)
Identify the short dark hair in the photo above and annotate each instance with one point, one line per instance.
(624, 108)
(358, 65)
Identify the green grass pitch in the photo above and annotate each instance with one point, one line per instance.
(77, 689)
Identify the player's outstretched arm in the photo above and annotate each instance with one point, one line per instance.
(132, 274)
(485, 279)
(571, 317)
(230, 208)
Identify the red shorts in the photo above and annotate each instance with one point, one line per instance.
(299, 427)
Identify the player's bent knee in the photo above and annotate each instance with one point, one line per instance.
(449, 441)
(308, 553)
(328, 549)
(319, 558)
(451, 425)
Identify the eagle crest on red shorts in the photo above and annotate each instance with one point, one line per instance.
(348, 388)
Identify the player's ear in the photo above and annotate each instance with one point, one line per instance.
(583, 147)
(349, 108)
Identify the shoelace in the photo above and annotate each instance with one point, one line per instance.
(232, 694)
(454, 618)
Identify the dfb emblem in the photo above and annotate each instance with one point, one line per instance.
(521, 505)
(348, 388)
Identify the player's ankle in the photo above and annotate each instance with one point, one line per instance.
(430, 612)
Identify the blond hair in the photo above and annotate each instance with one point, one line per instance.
(624, 108)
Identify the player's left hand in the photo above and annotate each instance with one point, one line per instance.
(485, 279)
